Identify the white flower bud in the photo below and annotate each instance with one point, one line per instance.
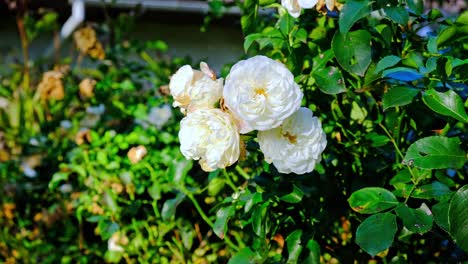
(296, 146)
(193, 89)
(211, 136)
(294, 7)
(261, 93)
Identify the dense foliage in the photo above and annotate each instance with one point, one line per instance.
(91, 169)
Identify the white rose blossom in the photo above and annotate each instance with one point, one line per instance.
(261, 93)
(193, 89)
(211, 136)
(296, 146)
(294, 7)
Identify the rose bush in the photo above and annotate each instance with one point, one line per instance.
(92, 168)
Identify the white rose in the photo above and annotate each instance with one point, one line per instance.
(261, 93)
(211, 136)
(294, 7)
(296, 146)
(193, 89)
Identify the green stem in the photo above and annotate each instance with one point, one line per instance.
(205, 217)
(397, 149)
(242, 172)
(229, 181)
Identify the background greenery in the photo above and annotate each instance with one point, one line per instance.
(391, 186)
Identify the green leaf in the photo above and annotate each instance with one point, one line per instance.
(222, 217)
(372, 200)
(259, 221)
(398, 96)
(314, 252)
(351, 12)
(169, 207)
(387, 62)
(107, 228)
(435, 153)
(250, 39)
(463, 18)
(397, 14)
(440, 212)
(329, 80)
(448, 103)
(376, 233)
(286, 23)
(435, 190)
(416, 220)
(458, 217)
(294, 197)
(244, 256)
(417, 6)
(57, 178)
(353, 50)
(403, 176)
(294, 246)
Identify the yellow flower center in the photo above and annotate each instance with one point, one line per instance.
(292, 139)
(260, 91)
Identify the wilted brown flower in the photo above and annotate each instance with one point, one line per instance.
(83, 136)
(135, 154)
(51, 86)
(164, 90)
(87, 43)
(324, 5)
(87, 88)
(97, 52)
(85, 39)
(8, 210)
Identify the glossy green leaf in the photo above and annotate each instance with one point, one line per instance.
(458, 217)
(294, 246)
(435, 190)
(169, 207)
(387, 62)
(398, 96)
(244, 256)
(314, 252)
(329, 80)
(417, 6)
(259, 221)
(249, 40)
(448, 103)
(403, 176)
(440, 212)
(371, 200)
(294, 197)
(376, 233)
(222, 217)
(416, 220)
(353, 50)
(398, 14)
(435, 153)
(351, 12)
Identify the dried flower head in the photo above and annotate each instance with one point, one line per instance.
(83, 136)
(87, 88)
(51, 86)
(87, 43)
(136, 154)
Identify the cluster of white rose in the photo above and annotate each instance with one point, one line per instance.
(258, 94)
(295, 7)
